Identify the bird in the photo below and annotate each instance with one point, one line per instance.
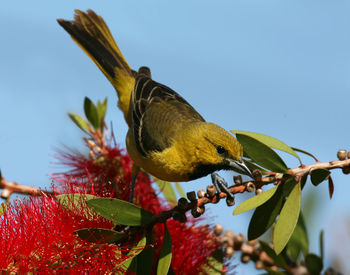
(167, 137)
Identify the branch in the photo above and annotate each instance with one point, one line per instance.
(10, 187)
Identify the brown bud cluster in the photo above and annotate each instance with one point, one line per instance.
(251, 250)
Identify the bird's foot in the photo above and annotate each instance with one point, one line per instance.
(221, 186)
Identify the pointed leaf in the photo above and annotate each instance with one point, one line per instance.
(319, 175)
(145, 259)
(278, 259)
(80, 122)
(102, 108)
(167, 191)
(165, 254)
(127, 264)
(214, 264)
(120, 212)
(314, 264)
(75, 201)
(261, 154)
(99, 235)
(322, 244)
(91, 113)
(330, 187)
(287, 220)
(255, 201)
(269, 141)
(180, 190)
(298, 241)
(264, 216)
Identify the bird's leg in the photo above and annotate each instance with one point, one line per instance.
(221, 185)
(135, 172)
(133, 181)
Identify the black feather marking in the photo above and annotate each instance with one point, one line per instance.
(149, 93)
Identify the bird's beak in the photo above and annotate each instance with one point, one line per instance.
(241, 167)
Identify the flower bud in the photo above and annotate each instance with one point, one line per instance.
(229, 251)
(211, 191)
(191, 196)
(238, 240)
(229, 234)
(201, 193)
(346, 170)
(182, 203)
(245, 258)
(218, 229)
(230, 201)
(250, 187)
(195, 213)
(341, 154)
(237, 179)
(259, 264)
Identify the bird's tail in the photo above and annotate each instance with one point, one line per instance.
(92, 34)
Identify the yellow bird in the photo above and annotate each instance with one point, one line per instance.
(167, 137)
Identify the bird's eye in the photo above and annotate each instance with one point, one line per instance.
(221, 150)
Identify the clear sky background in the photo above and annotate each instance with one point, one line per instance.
(275, 67)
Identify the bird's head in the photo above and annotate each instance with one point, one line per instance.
(213, 148)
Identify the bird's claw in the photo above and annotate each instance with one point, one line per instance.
(221, 185)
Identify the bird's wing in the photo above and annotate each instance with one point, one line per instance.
(157, 114)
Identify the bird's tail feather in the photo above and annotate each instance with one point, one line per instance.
(92, 34)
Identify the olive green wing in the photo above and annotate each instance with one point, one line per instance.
(158, 113)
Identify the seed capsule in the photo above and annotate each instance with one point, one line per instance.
(211, 190)
(250, 187)
(201, 193)
(341, 154)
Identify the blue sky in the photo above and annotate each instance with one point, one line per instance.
(274, 67)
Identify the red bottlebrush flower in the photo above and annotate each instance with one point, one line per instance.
(37, 235)
(109, 175)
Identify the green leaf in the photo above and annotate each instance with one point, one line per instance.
(255, 201)
(75, 202)
(91, 113)
(3, 207)
(167, 191)
(314, 264)
(261, 154)
(130, 263)
(278, 259)
(298, 241)
(80, 122)
(101, 109)
(322, 244)
(287, 220)
(0, 175)
(270, 141)
(99, 235)
(144, 260)
(165, 254)
(264, 215)
(319, 175)
(180, 190)
(120, 212)
(214, 264)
